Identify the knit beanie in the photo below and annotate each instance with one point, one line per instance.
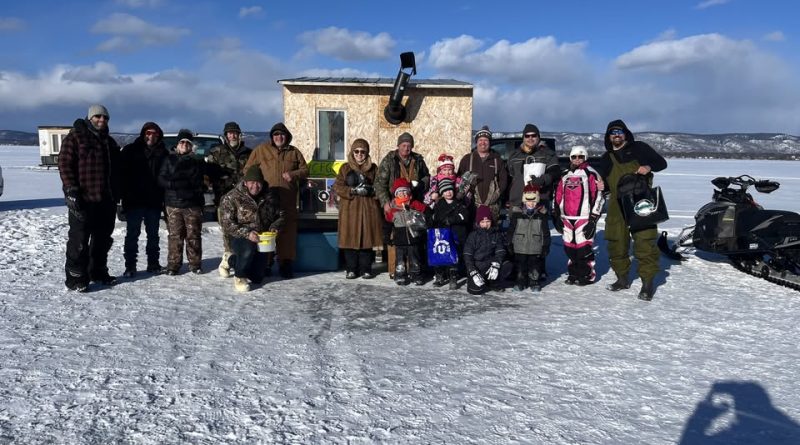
(253, 173)
(530, 128)
(484, 132)
(482, 213)
(96, 110)
(185, 134)
(231, 126)
(401, 184)
(405, 137)
(443, 161)
(446, 184)
(530, 193)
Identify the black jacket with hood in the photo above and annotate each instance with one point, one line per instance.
(140, 168)
(633, 150)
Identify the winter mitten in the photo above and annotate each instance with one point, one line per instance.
(476, 278)
(591, 227)
(494, 271)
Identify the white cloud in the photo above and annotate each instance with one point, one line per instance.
(255, 11)
(139, 3)
(130, 33)
(709, 3)
(537, 60)
(670, 55)
(172, 98)
(775, 36)
(11, 24)
(344, 44)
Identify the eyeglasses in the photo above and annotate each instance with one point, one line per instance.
(577, 157)
(360, 152)
(531, 135)
(616, 132)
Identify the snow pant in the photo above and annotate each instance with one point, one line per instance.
(410, 255)
(184, 225)
(579, 250)
(527, 266)
(88, 242)
(226, 239)
(151, 217)
(357, 260)
(247, 261)
(619, 236)
(482, 267)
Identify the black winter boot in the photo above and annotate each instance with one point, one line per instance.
(621, 283)
(647, 291)
(453, 275)
(439, 280)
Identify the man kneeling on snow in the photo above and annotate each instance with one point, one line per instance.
(247, 210)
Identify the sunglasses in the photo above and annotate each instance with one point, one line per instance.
(577, 157)
(532, 135)
(151, 133)
(616, 132)
(360, 152)
(278, 133)
(100, 116)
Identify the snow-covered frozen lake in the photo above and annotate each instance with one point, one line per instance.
(317, 359)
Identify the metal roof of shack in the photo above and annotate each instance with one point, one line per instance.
(382, 82)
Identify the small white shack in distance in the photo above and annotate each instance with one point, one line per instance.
(50, 138)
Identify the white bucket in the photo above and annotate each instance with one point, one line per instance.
(266, 241)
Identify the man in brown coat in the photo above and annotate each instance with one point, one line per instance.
(283, 166)
(360, 219)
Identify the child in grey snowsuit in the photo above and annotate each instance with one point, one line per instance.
(529, 236)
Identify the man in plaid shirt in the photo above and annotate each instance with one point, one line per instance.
(86, 163)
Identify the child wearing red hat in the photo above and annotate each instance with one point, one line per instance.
(407, 216)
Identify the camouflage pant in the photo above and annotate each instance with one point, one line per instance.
(184, 224)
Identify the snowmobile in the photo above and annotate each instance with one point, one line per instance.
(763, 243)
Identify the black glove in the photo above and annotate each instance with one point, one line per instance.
(591, 227)
(537, 181)
(73, 199)
(557, 223)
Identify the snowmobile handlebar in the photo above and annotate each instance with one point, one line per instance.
(744, 182)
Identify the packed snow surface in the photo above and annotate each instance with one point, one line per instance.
(320, 359)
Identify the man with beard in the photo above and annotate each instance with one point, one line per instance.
(86, 163)
(142, 196)
(625, 155)
(231, 156)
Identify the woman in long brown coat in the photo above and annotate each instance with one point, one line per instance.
(360, 219)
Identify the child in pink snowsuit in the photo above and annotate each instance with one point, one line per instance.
(445, 169)
(578, 203)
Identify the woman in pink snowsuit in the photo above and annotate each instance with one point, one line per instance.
(578, 203)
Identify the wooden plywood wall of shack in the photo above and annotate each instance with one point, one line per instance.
(440, 119)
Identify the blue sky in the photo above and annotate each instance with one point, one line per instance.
(702, 66)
